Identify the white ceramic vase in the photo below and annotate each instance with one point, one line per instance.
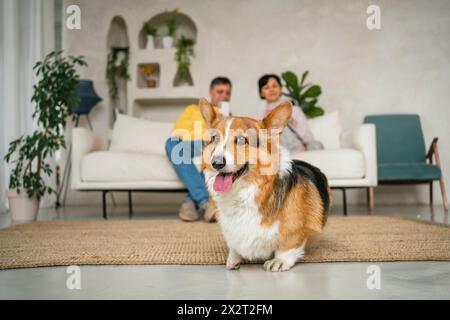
(150, 42)
(167, 42)
(22, 208)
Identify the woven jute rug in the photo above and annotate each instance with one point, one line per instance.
(56, 243)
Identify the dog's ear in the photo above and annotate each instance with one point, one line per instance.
(278, 117)
(208, 112)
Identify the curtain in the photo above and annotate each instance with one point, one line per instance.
(24, 40)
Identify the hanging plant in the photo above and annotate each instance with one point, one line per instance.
(184, 52)
(117, 68)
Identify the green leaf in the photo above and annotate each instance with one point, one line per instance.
(304, 75)
(313, 92)
(315, 112)
(291, 81)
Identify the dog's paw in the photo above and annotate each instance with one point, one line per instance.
(233, 262)
(276, 265)
(233, 265)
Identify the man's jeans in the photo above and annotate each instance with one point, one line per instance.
(180, 154)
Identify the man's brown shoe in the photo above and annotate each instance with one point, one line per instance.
(188, 211)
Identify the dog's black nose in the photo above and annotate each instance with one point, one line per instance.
(218, 162)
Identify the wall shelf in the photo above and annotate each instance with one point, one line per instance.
(186, 27)
(165, 101)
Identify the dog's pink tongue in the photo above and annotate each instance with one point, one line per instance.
(223, 182)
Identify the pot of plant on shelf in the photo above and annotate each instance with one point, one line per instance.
(54, 97)
(304, 95)
(151, 34)
(172, 27)
(117, 70)
(184, 52)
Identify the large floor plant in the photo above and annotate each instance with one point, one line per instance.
(54, 98)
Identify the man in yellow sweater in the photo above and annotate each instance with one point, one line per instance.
(185, 143)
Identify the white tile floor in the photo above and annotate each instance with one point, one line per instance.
(409, 280)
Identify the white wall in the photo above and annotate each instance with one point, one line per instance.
(402, 68)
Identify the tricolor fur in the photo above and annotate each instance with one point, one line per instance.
(268, 204)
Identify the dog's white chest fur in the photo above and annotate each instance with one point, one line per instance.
(240, 220)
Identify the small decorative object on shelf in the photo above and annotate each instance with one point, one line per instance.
(172, 26)
(183, 54)
(151, 34)
(149, 75)
(304, 95)
(117, 68)
(55, 98)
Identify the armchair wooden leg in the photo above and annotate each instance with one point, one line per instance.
(434, 150)
(371, 197)
(443, 193)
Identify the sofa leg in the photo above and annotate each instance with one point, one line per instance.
(371, 197)
(443, 193)
(344, 201)
(113, 199)
(105, 214)
(130, 206)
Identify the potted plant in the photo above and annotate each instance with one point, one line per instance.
(55, 98)
(184, 52)
(151, 34)
(304, 95)
(116, 69)
(172, 27)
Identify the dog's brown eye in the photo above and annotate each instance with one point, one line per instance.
(240, 141)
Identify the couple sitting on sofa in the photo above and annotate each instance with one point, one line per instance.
(184, 139)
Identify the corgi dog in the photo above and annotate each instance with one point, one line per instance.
(268, 205)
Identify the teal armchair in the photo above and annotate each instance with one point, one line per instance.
(401, 153)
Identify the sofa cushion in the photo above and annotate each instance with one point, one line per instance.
(336, 164)
(408, 171)
(137, 135)
(327, 129)
(126, 166)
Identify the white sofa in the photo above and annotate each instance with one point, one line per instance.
(135, 158)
